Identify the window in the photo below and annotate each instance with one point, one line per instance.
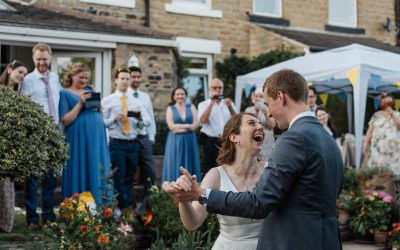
(193, 7)
(120, 3)
(268, 8)
(196, 82)
(343, 13)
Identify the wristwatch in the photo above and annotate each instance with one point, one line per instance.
(203, 198)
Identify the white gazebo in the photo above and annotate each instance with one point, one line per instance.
(355, 70)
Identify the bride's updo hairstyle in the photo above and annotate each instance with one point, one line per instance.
(227, 151)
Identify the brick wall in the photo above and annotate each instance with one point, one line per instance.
(158, 65)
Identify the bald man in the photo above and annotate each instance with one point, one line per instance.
(213, 114)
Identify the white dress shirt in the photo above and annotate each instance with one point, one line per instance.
(303, 114)
(219, 116)
(34, 87)
(111, 107)
(145, 98)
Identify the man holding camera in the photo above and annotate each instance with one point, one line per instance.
(213, 114)
(146, 137)
(124, 116)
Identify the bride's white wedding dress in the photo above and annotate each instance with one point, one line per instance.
(236, 233)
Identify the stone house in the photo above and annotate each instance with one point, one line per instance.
(103, 43)
(206, 31)
(209, 30)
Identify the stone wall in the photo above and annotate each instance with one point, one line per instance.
(158, 65)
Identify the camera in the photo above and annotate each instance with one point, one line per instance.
(94, 101)
(134, 114)
(219, 97)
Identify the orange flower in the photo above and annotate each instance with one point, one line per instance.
(98, 227)
(103, 239)
(84, 228)
(108, 212)
(362, 211)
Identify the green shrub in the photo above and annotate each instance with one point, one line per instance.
(167, 231)
(161, 137)
(30, 143)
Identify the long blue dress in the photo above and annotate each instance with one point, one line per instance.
(89, 161)
(181, 149)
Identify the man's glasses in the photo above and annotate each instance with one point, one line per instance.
(216, 87)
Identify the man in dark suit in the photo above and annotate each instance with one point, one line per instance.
(297, 192)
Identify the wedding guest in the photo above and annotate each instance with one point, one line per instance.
(312, 98)
(89, 163)
(213, 115)
(43, 87)
(145, 137)
(238, 171)
(124, 116)
(262, 112)
(12, 77)
(382, 143)
(181, 148)
(324, 118)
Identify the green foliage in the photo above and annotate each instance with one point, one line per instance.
(30, 143)
(350, 181)
(371, 212)
(168, 232)
(345, 202)
(233, 66)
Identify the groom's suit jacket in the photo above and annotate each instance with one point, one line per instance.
(296, 193)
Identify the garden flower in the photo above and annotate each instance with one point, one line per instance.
(388, 199)
(98, 227)
(108, 212)
(124, 229)
(103, 239)
(362, 212)
(84, 228)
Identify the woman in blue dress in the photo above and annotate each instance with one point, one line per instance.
(181, 148)
(89, 163)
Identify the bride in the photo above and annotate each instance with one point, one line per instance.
(239, 171)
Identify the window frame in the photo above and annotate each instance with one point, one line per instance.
(279, 15)
(119, 3)
(354, 19)
(201, 72)
(194, 9)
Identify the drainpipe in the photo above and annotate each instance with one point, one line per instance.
(397, 21)
(147, 13)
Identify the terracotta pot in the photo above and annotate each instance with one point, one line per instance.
(381, 238)
(343, 217)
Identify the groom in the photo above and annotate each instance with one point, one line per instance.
(297, 192)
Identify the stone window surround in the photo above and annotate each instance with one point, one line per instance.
(193, 9)
(268, 14)
(353, 25)
(119, 3)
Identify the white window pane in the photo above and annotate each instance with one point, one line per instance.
(193, 1)
(342, 13)
(271, 7)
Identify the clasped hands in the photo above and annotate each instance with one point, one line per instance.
(185, 189)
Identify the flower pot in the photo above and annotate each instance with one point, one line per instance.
(343, 217)
(364, 239)
(380, 238)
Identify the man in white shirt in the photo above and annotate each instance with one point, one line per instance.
(213, 114)
(43, 87)
(146, 137)
(124, 116)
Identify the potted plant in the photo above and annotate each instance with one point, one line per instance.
(371, 214)
(394, 236)
(344, 205)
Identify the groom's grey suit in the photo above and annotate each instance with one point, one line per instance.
(296, 193)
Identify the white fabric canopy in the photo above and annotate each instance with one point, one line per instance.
(376, 71)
